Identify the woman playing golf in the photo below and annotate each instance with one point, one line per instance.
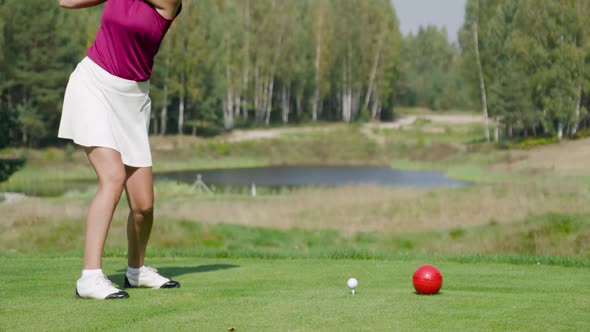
(106, 110)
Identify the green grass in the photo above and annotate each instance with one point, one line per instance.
(476, 173)
(471, 172)
(298, 295)
(548, 235)
(425, 132)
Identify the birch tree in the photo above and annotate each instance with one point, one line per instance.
(476, 71)
(322, 38)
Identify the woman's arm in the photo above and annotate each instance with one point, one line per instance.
(166, 8)
(79, 3)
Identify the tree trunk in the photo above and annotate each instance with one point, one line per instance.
(244, 104)
(355, 104)
(577, 113)
(269, 101)
(314, 105)
(284, 114)
(317, 64)
(285, 103)
(181, 104)
(298, 105)
(228, 110)
(482, 86)
(376, 61)
(163, 119)
(343, 94)
(237, 105)
(246, 74)
(376, 107)
(154, 122)
(262, 97)
(258, 92)
(347, 94)
(497, 130)
(275, 60)
(164, 113)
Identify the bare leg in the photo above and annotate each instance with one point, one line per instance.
(111, 177)
(140, 195)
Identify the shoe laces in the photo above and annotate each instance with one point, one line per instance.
(103, 281)
(150, 269)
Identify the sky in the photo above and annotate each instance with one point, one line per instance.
(414, 13)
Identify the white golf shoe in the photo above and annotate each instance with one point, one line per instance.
(98, 287)
(149, 278)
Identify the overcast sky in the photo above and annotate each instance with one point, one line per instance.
(414, 13)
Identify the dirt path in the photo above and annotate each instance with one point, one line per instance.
(404, 121)
(255, 134)
(408, 120)
(11, 198)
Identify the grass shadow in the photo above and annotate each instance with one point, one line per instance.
(174, 271)
(177, 271)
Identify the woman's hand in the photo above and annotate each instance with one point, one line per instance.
(166, 8)
(80, 3)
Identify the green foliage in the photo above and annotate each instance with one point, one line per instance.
(6, 122)
(37, 59)
(530, 143)
(534, 56)
(228, 63)
(584, 133)
(252, 62)
(9, 166)
(429, 72)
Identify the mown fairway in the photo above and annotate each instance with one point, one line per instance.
(300, 295)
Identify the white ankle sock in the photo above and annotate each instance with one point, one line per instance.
(91, 273)
(133, 271)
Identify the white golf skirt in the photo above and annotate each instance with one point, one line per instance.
(103, 110)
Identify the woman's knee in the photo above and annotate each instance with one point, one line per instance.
(143, 211)
(113, 178)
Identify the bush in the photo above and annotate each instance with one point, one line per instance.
(583, 133)
(9, 166)
(530, 143)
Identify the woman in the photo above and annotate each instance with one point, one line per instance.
(107, 110)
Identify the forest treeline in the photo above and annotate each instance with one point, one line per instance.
(529, 63)
(244, 63)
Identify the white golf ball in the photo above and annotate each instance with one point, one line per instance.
(352, 283)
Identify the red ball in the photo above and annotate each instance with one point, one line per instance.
(427, 280)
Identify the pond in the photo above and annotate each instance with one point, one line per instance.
(277, 176)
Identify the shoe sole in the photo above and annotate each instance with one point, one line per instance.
(169, 284)
(115, 296)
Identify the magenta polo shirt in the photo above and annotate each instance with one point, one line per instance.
(128, 39)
